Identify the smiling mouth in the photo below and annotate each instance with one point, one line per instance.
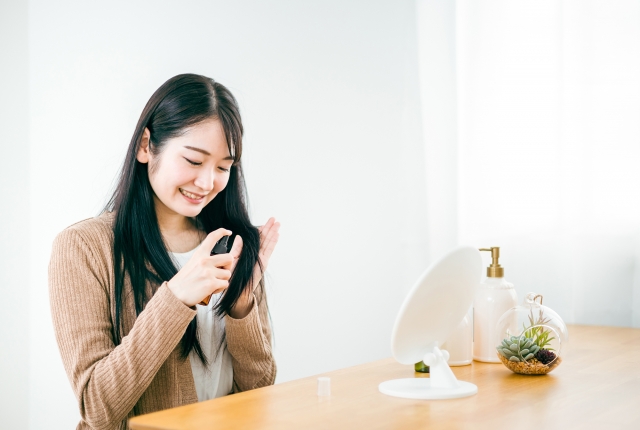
(191, 195)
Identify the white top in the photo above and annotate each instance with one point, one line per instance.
(215, 380)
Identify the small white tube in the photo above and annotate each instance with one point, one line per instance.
(324, 386)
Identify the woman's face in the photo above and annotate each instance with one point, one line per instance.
(190, 170)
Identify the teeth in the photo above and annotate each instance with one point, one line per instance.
(188, 194)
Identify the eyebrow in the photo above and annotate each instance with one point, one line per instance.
(193, 148)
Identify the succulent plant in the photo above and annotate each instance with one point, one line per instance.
(545, 356)
(518, 348)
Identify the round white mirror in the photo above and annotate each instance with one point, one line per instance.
(430, 313)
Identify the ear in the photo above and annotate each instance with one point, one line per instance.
(143, 150)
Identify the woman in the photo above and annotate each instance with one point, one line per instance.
(125, 286)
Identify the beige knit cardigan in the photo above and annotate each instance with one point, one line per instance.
(144, 373)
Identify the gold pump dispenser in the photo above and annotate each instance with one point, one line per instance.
(495, 270)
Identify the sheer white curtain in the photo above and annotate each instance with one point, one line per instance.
(531, 121)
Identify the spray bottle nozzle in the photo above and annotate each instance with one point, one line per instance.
(220, 246)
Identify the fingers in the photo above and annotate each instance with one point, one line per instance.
(269, 238)
(220, 280)
(209, 242)
(220, 286)
(267, 225)
(222, 274)
(236, 249)
(268, 228)
(223, 261)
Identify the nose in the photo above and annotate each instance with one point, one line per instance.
(204, 180)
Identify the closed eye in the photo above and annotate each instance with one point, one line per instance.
(192, 162)
(223, 169)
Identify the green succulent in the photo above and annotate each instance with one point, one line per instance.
(518, 348)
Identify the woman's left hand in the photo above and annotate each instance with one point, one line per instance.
(269, 234)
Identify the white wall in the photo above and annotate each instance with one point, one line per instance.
(439, 107)
(549, 102)
(329, 96)
(14, 226)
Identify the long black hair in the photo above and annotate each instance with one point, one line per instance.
(140, 252)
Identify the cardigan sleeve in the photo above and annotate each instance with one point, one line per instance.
(107, 379)
(249, 343)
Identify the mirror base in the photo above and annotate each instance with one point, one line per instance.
(420, 388)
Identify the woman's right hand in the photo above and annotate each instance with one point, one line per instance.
(204, 274)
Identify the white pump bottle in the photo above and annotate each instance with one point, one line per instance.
(494, 297)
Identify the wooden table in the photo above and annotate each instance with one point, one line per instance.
(596, 386)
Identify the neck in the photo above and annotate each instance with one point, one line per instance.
(169, 222)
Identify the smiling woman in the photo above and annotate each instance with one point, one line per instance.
(124, 286)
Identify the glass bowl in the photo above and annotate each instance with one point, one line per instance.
(533, 336)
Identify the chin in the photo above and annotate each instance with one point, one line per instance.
(190, 212)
